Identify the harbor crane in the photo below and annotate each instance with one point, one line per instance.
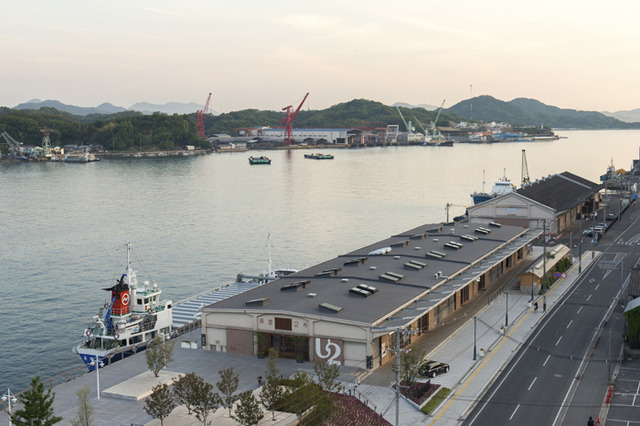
(525, 169)
(200, 116)
(14, 146)
(449, 205)
(288, 121)
(435, 133)
(412, 136)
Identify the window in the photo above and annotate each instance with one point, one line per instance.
(283, 324)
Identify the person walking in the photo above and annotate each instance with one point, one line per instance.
(590, 422)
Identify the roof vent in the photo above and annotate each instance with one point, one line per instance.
(380, 251)
(345, 280)
(312, 294)
(329, 307)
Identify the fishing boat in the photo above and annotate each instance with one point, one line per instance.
(318, 156)
(133, 315)
(500, 187)
(259, 160)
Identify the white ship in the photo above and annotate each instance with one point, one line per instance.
(132, 317)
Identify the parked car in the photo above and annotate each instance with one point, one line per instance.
(433, 368)
(611, 216)
(588, 232)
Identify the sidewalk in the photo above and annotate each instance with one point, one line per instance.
(469, 378)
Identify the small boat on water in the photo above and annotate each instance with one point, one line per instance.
(132, 317)
(318, 156)
(259, 160)
(500, 187)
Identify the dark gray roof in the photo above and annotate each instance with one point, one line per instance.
(331, 281)
(561, 192)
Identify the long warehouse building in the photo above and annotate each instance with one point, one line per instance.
(348, 309)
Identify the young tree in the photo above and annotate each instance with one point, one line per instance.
(159, 354)
(272, 391)
(411, 362)
(327, 374)
(227, 385)
(205, 400)
(183, 390)
(85, 409)
(248, 411)
(37, 407)
(160, 403)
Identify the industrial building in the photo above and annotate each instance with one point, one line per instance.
(351, 309)
(554, 202)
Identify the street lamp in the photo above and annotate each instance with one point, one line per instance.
(10, 398)
(97, 362)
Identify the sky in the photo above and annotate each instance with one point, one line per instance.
(268, 54)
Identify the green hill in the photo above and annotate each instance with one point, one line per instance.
(530, 112)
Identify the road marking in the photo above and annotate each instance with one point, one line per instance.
(534, 380)
(606, 274)
(545, 361)
(596, 287)
(558, 340)
(514, 412)
(570, 322)
(579, 310)
(589, 297)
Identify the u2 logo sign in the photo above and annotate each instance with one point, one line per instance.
(331, 351)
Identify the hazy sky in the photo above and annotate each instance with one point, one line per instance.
(267, 54)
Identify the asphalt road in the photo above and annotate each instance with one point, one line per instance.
(561, 375)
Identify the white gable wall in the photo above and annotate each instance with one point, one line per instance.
(513, 209)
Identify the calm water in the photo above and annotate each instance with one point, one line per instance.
(196, 222)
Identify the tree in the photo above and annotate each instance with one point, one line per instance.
(85, 409)
(248, 411)
(227, 385)
(183, 390)
(160, 403)
(205, 400)
(272, 390)
(411, 362)
(327, 374)
(159, 354)
(37, 407)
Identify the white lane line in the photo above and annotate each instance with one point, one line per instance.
(545, 361)
(570, 322)
(534, 380)
(579, 310)
(558, 340)
(596, 287)
(514, 412)
(589, 297)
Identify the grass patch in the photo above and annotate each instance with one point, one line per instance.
(436, 400)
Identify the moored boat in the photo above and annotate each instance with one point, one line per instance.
(500, 187)
(318, 156)
(132, 317)
(259, 160)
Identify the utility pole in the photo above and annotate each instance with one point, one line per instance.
(397, 351)
(475, 350)
(580, 244)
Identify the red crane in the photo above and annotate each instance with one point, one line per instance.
(200, 114)
(288, 121)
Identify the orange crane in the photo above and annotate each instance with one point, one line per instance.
(200, 115)
(288, 121)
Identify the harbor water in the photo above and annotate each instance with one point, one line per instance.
(196, 222)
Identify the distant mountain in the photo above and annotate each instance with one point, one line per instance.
(530, 112)
(406, 105)
(631, 116)
(168, 108)
(107, 108)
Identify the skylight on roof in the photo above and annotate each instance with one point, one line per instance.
(356, 262)
(258, 302)
(482, 230)
(495, 224)
(297, 286)
(436, 254)
(468, 237)
(454, 245)
(414, 264)
(330, 307)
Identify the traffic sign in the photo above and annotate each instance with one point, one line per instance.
(556, 275)
(564, 275)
